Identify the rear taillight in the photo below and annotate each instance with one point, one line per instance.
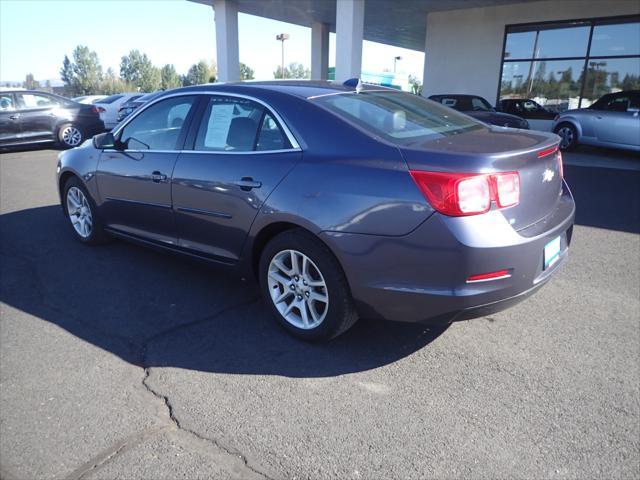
(460, 194)
(560, 165)
(98, 110)
(507, 189)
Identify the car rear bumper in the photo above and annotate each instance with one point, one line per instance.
(422, 276)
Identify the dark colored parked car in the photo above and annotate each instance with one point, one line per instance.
(128, 107)
(526, 108)
(28, 117)
(342, 203)
(478, 107)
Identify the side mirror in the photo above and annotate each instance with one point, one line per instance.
(104, 140)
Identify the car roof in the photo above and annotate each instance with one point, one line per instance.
(299, 88)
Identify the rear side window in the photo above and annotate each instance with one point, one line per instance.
(231, 124)
(6, 103)
(401, 118)
(159, 126)
(109, 99)
(271, 136)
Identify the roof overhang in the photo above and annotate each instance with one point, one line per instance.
(401, 23)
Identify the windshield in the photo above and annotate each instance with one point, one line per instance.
(401, 118)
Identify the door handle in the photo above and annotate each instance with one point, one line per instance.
(15, 116)
(158, 177)
(247, 183)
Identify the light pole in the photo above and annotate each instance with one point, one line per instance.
(282, 37)
(395, 59)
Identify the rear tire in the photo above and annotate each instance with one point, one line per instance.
(568, 135)
(305, 287)
(70, 135)
(82, 214)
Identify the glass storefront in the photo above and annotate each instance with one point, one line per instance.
(570, 64)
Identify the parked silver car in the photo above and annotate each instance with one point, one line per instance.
(612, 121)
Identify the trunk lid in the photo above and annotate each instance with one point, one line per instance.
(490, 150)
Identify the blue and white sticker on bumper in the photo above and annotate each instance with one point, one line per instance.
(551, 252)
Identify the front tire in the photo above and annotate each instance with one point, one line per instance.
(305, 287)
(70, 135)
(82, 215)
(568, 135)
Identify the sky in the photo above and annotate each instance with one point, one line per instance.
(35, 35)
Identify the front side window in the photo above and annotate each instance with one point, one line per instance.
(33, 100)
(399, 117)
(159, 126)
(231, 124)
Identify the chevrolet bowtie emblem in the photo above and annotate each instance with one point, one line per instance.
(547, 176)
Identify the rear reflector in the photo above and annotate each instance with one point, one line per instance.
(483, 277)
(560, 165)
(461, 194)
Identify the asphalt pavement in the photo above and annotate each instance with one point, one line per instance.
(120, 362)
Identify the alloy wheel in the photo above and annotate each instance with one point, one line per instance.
(566, 136)
(298, 289)
(79, 212)
(71, 136)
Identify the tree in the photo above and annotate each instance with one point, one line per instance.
(30, 83)
(200, 73)
(246, 72)
(416, 85)
(137, 70)
(294, 70)
(83, 75)
(112, 84)
(169, 78)
(66, 72)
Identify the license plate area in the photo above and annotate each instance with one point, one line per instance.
(551, 252)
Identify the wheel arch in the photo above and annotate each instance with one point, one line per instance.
(269, 231)
(571, 121)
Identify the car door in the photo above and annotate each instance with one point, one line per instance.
(134, 179)
(240, 151)
(38, 114)
(9, 125)
(618, 121)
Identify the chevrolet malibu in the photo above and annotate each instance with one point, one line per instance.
(342, 201)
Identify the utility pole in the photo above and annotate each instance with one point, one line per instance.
(282, 37)
(395, 59)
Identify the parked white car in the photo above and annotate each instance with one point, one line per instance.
(110, 105)
(88, 99)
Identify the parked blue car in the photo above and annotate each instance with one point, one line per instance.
(342, 202)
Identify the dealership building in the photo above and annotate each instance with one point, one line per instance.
(563, 53)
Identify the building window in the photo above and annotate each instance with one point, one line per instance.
(567, 65)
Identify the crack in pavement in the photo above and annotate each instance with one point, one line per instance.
(112, 452)
(140, 349)
(167, 402)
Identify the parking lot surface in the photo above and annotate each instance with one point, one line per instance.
(120, 362)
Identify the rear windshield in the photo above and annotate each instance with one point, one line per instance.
(401, 118)
(110, 99)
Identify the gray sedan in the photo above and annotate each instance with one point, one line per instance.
(612, 121)
(342, 201)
